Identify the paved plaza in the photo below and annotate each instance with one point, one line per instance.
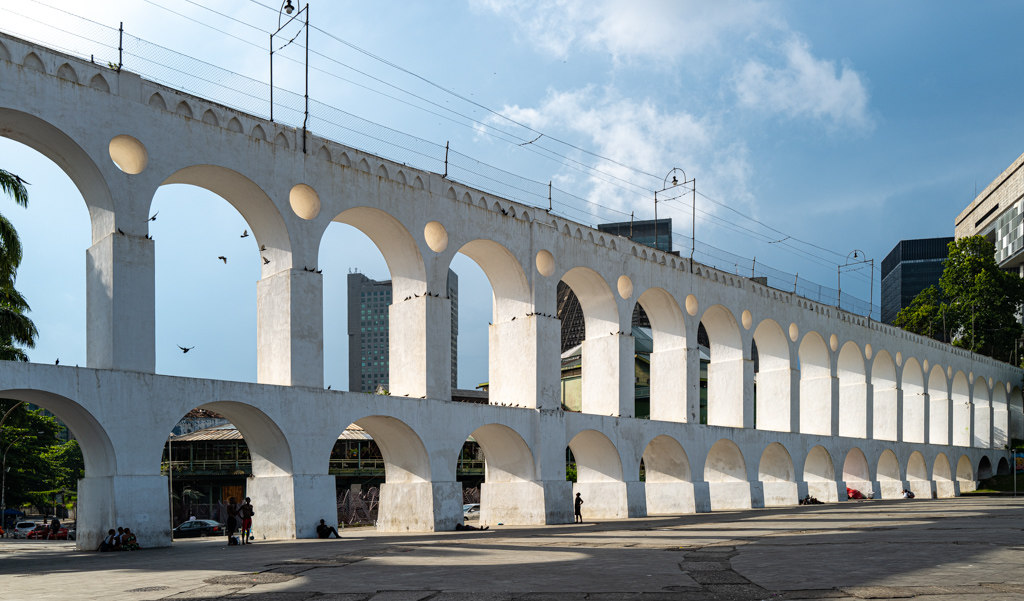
(940, 550)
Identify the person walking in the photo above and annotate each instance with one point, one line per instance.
(232, 524)
(245, 512)
(579, 505)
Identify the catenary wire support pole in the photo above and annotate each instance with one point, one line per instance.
(855, 254)
(287, 8)
(120, 47)
(665, 186)
(446, 159)
(549, 196)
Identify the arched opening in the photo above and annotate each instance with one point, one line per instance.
(914, 397)
(815, 386)
(93, 493)
(981, 400)
(221, 453)
(662, 362)
(853, 391)
(856, 472)
(1000, 417)
(597, 354)
(1003, 467)
(942, 475)
(509, 493)
(777, 476)
(960, 399)
(965, 474)
(727, 377)
(883, 384)
(725, 471)
(917, 476)
(223, 337)
(511, 372)
(938, 406)
(889, 476)
(820, 475)
(599, 476)
(773, 382)
(1016, 404)
(667, 479)
(984, 469)
(381, 307)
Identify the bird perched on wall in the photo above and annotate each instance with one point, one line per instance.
(57, 362)
(266, 261)
(263, 247)
(245, 234)
(119, 231)
(319, 270)
(153, 218)
(223, 258)
(185, 350)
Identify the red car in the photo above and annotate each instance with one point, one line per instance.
(43, 533)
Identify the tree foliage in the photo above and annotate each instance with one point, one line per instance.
(17, 331)
(40, 461)
(975, 306)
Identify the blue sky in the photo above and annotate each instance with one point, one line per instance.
(846, 126)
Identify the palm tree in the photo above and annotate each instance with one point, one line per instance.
(16, 329)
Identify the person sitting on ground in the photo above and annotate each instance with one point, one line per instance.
(118, 538)
(469, 527)
(907, 494)
(128, 541)
(108, 542)
(325, 531)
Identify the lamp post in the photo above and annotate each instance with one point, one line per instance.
(856, 254)
(287, 9)
(693, 225)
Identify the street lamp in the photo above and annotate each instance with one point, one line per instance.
(693, 190)
(287, 9)
(856, 254)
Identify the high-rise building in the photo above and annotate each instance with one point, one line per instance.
(910, 267)
(368, 328)
(656, 233)
(998, 214)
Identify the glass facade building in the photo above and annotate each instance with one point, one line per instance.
(910, 267)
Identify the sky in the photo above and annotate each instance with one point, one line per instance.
(812, 129)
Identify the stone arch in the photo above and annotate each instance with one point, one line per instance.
(417, 183)
(938, 409)
(65, 152)
(344, 160)
(268, 445)
(1003, 467)
(1000, 417)
(856, 471)
(281, 140)
(981, 408)
(157, 101)
(259, 133)
(912, 384)
(884, 393)
(507, 457)
(853, 391)
(773, 390)
(32, 61)
(1016, 413)
(777, 476)
(405, 457)
(67, 72)
(184, 109)
(818, 466)
(323, 154)
(667, 477)
(597, 459)
(960, 400)
(400, 178)
(251, 202)
(364, 165)
(965, 473)
(815, 385)
(5, 54)
(941, 470)
(601, 340)
(210, 118)
(98, 82)
(917, 469)
(507, 277)
(889, 475)
(382, 171)
(725, 471)
(984, 468)
(236, 126)
(396, 244)
(725, 369)
(668, 363)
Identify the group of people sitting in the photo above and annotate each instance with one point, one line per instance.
(907, 494)
(809, 500)
(120, 540)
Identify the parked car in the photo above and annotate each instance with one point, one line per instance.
(471, 511)
(42, 532)
(21, 529)
(194, 528)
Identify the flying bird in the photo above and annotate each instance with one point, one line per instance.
(185, 350)
(245, 234)
(263, 247)
(153, 218)
(266, 261)
(223, 258)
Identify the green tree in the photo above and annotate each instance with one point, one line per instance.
(16, 329)
(977, 305)
(27, 437)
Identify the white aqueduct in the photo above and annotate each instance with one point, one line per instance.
(840, 400)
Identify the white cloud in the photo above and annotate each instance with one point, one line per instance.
(805, 87)
(653, 29)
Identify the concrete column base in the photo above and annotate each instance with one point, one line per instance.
(729, 495)
(863, 486)
(826, 491)
(512, 504)
(780, 494)
(946, 489)
(291, 506)
(671, 498)
(611, 500)
(558, 499)
(419, 506)
(138, 502)
(967, 485)
(922, 489)
(892, 489)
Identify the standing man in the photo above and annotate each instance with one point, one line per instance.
(232, 518)
(54, 528)
(579, 504)
(245, 512)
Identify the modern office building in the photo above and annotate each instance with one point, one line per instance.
(656, 233)
(368, 327)
(997, 213)
(910, 267)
